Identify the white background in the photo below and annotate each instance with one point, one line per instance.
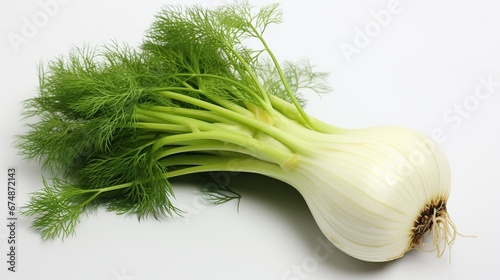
(415, 71)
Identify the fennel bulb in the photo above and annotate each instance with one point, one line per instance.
(115, 123)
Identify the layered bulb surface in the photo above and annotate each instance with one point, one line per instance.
(374, 192)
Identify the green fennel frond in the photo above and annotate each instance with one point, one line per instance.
(301, 77)
(58, 207)
(114, 123)
(220, 195)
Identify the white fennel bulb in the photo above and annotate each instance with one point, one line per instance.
(369, 189)
(373, 192)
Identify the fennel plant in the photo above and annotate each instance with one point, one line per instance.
(115, 123)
